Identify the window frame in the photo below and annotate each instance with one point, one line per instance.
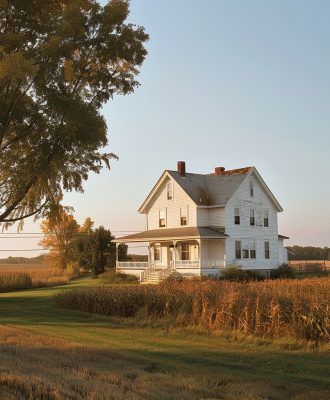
(267, 249)
(252, 250)
(182, 216)
(184, 253)
(168, 191)
(266, 218)
(160, 219)
(237, 217)
(238, 248)
(252, 217)
(251, 188)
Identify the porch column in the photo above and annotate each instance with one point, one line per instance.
(149, 254)
(199, 241)
(117, 245)
(174, 251)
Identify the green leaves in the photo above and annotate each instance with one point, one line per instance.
(60, 61)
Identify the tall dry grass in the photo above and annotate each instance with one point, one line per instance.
(23, 276)
(273, 309)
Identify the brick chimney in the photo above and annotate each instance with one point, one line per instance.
(182, 168)
(219, 170)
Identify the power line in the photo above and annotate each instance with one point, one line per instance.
(46, 234)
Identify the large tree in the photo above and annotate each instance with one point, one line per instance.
(60, 61)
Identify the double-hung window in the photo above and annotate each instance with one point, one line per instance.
(267, 252)
(237, 217)
(266, 218)
(238, 249)
(170, 191)
(162, 218)
(252, 217)
(252, 248)
(245, 247)
(184, 215)
(248, 249)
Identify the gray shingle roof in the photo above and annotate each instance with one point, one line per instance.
(211, 189)
(174, 233)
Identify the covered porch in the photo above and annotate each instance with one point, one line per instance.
(188, 251)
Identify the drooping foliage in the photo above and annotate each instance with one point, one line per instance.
(60, 61)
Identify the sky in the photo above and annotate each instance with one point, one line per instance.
(226, 83)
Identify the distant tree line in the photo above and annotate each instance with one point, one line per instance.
(308, 253)
(22, 260)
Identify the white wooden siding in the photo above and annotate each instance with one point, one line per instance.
(260, 201)
(213, 249)
(211, 216)
(160, 202)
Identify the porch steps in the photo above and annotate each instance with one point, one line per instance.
(157, 276)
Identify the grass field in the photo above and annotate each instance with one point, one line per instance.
(40, 274)
(51, 353)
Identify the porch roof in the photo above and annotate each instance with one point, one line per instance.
(191, 232)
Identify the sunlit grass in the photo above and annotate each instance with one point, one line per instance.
(52, 353)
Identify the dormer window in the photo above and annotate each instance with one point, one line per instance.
(251, 188)
(170, 191)
(237, 217)
(252, 218)
(184, 215)
(162, 218)
(266, 218)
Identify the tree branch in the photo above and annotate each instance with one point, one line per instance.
(27, 215)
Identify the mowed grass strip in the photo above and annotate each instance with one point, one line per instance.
(53, 353)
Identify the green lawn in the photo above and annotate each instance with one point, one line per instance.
(52, 353)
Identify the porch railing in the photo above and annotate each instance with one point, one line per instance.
(180, 264)
(187, 264)
(216, 263)
(132, 264)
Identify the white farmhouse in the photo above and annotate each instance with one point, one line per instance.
(200, 224)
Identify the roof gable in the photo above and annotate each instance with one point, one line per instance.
(211, 190)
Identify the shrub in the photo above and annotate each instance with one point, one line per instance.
(12, 281)
(236, 274)
(284, 271)
(111, 276)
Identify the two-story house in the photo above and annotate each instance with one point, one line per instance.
(199, 224)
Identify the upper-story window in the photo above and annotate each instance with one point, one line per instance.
(252, 217)
(238, 249)
(184, 215)
(266, 218)
(162, 218)
(251, 187)
(170, 191)
(237, 217)
(266, 248)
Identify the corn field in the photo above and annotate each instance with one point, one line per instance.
(270, 309)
